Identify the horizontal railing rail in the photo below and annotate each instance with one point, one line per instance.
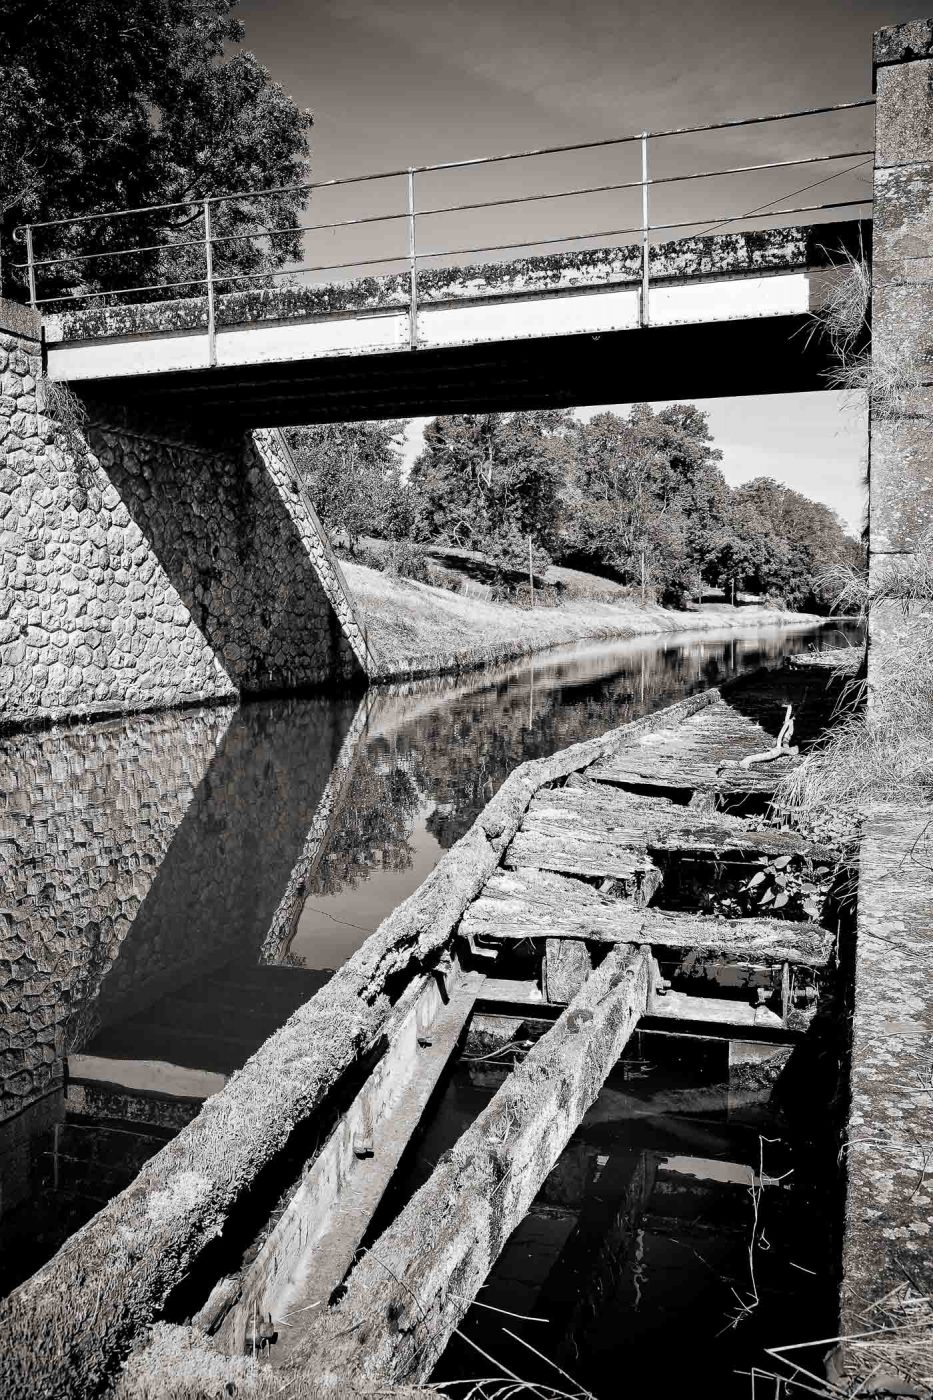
(205, 281)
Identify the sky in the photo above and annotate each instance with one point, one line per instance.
(394, 83)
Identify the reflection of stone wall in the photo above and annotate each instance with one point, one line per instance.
(138, 853)
(141, 860)
(146, 563)
(86, 818)
(232, 860)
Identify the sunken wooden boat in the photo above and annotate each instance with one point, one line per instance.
(628, 885)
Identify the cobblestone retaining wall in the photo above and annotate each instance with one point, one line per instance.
(148, 564)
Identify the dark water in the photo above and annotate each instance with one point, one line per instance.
(683, 1231)
(173, 886)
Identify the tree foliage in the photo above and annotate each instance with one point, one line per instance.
(636, 497)
(490, 480)
(645, 488)
(116, 104)
(353, 473)
(787, 542)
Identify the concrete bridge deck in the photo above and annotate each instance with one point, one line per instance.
(726, 314)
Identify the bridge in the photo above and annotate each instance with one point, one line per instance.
(164, 548)
(722, 301)
(725, 315)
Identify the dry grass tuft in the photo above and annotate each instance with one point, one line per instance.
(844, 312)
(892, 1356)
(882, 753)
(885, 372)
(899, 1354)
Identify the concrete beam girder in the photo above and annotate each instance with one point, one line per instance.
(474, 322)
(762, 355)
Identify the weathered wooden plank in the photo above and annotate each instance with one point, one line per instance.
(581, 850)
(701, 754)
(582, 832)
(717, 1011)
(413, 1286)
(614, 813)
(314, 1241)
(582, 795)
(538, 904)
(591, 831)
(739, 842)
(567, 964)
(508, 990)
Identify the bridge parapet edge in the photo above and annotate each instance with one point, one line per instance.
(724, 254)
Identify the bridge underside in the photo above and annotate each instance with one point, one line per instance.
(766, 355)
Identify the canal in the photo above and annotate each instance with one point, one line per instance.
(174, 885)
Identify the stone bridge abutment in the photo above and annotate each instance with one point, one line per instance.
(149, 562)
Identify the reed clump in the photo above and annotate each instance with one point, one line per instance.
(885, 370)
(879, 752)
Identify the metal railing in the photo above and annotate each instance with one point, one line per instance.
(206, 285)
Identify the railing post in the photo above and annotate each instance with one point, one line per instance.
(412, 266)
(645, 249)
(209, 263)
(30, 260)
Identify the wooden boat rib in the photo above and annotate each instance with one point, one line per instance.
(577, 853)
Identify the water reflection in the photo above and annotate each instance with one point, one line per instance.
(175, 885)
(450, 744)
(144, 861)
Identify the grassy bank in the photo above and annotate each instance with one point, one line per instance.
(415, 626)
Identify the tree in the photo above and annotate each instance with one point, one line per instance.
(646, 488)
(116, 104)
(789, 543)
(353, 472)
(489, 480)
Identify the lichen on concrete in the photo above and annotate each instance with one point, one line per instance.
(702, 256)
(903, 43)
(889, 1144)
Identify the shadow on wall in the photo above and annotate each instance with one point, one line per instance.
(234, 549)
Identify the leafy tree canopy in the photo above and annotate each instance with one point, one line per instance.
(489, 480)
(787, 543)
(640, 496)
(646, 489)
(353, 472)
(114, 104)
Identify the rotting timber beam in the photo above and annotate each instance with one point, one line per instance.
(409, 1292)
(68, 1329)
(313, 1242)
(518, 904)
(600, 829)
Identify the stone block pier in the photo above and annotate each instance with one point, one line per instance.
(149, 562)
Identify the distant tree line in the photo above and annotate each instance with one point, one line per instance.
(639, 499)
